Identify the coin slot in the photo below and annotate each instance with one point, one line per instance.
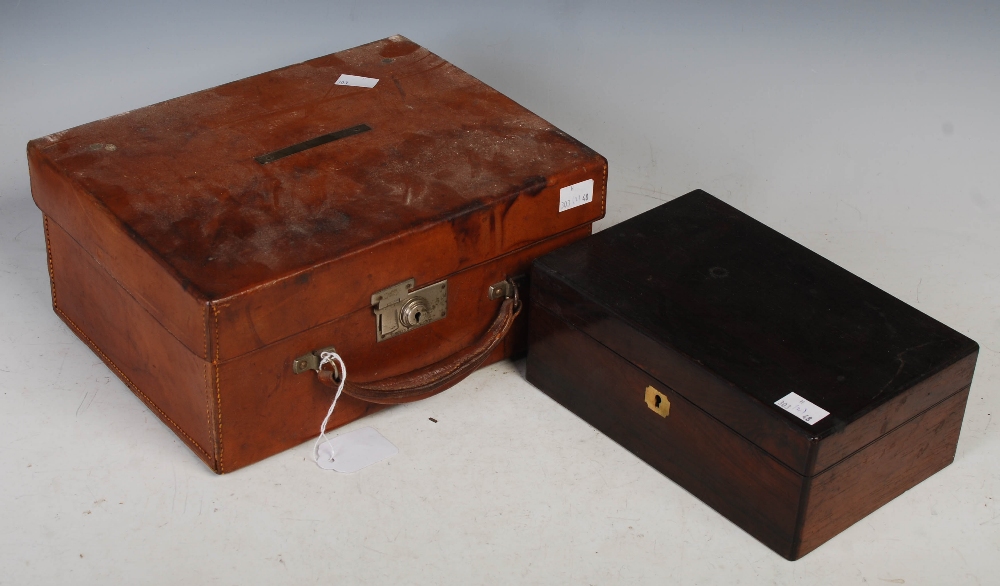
(311, 143)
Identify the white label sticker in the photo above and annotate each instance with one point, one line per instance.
(801, 408)
(355, 450)
(576, 195)
(356, 80)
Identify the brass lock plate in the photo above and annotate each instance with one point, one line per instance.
(657, 401)
(399, 310)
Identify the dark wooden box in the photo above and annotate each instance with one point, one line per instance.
(678, 331)
(208, 246)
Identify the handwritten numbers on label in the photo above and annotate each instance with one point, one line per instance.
(576, 195)
(801, 408)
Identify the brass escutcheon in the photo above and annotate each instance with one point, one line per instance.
(657, 401)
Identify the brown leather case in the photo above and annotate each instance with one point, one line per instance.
(677, 331)
(205, 247)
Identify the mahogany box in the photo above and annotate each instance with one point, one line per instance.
(378, 202)
(790, 395)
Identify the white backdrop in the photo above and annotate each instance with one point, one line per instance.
(867, 133)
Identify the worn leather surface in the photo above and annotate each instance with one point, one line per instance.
(451, 174)
(168, 378)
(247, 266)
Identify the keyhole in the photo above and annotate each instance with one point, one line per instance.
(657, 401)
(412, 312)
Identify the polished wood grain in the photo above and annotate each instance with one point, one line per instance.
(725, 316)
(892, 414)
(711, 392)
(735, 316)
(790, 513)
(729, 473)
(870, 478)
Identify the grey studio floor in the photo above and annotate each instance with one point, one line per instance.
(869, 133)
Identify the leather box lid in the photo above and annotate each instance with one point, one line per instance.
(430, 171)
(735, 316)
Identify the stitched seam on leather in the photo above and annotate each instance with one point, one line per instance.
(208, 389)
(208, 392)
(129, 383)
(130, 294)
(48, 254)
(604, 200)
(93, 346)
(218, 394)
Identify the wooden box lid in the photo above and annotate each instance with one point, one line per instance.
(259, 197)
(735, 316)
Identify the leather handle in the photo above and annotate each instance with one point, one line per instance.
(431, 380)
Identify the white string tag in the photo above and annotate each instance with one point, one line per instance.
(352, 451)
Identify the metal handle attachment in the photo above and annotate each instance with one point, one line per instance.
(441, 375)
(311, 361)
